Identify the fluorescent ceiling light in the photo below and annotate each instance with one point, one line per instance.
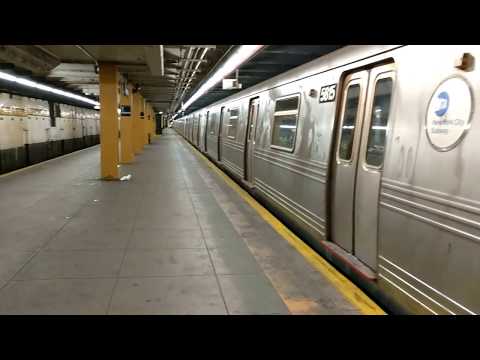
(46, 88)
(242, 54)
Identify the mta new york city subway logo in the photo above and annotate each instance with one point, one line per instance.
(449, 113)
(443, 102)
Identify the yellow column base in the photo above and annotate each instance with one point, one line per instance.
(126, 153)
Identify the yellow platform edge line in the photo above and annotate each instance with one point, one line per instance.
(348, 289)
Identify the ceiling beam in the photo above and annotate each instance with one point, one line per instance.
(154, 61)
(28, 57)
(62, 74)
(294, 52)
(200, 46)
(259, 71)
(89, 84)
(193, 60)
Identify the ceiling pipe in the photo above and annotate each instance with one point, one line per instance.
(186, 81)
(225, 55)
(188, 73)
(236, 59)
(194, 71)
(181, 74)
(48, 52)
(180, 78)
(187, 66)
(86, 52)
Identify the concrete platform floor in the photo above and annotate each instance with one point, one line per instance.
(175, 239)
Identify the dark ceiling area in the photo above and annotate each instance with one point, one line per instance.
(167, 75)
(26, 62)
(269, 62)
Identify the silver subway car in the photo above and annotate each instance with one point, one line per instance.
(371, 153)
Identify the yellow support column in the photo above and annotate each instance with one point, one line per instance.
(133, 134)
(137, 123)
(149, 124)
(126, 128)
(109, 121)
(154, 124)
(144, 122)
(147, 120)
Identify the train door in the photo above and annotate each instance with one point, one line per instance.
(190, 129)
(191, 122)
(220, 131)
(250, 138)
(205, 138)
(357, 169)
(194, 129)
(197, 137)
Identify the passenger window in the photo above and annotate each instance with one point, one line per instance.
(211, 124)
(285, 123)
(379, 122)
(349, 122)
(232, 123)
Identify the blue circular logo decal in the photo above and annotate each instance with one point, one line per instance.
(443, 103)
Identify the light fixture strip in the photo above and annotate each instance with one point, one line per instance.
(46, 88)
(242, 54)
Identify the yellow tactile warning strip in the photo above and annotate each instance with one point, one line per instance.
(45, 162)
(349, 290)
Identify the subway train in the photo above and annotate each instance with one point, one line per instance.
(34, 130)
(372, 155)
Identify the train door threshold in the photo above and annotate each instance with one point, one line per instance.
(355, 264)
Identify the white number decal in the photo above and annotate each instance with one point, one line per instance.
(328, 93)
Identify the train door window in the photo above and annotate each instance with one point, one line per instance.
(211, 125)
(220, 123)
(285, 121)
(252, 117)
(232, 123)
(379, 122)
(349, 122)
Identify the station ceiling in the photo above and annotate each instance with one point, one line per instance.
(185, 67)
(272, 60)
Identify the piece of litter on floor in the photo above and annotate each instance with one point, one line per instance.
(126, 177)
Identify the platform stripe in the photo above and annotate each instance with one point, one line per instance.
(348, 289)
